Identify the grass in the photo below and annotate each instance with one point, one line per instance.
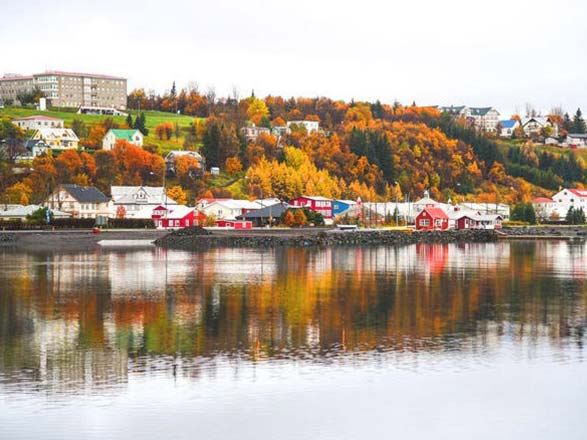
(153, 118)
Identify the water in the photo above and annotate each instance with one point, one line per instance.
(476, 341)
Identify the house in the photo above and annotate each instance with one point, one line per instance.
(551, 140)
(266, 215)
(508, 127)
(172, 156)
(487, 208)
(478, 221)
(547, 209)
(138, 201)
(344, 207)
(21, 213)
(252, 133)
(132, 136)
(79, 201)
(310, 126)
(227, 209)
(576, 140)
(538, 125)
(431, 218)
(38, 121)
(33, 148)
(57, 138)
(318, 204)
(177, 216)
(484, 118)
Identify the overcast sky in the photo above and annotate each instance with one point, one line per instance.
(501, 53)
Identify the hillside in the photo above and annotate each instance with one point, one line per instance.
(371, 150)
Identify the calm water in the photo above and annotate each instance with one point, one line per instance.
(483, 341)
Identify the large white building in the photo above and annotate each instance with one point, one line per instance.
(68, 89)
(556, 208)
(138, 201)
(79, 201)
(482, 118)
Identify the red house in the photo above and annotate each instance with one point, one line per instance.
(318, 204)
(177, 216)
(431, 218)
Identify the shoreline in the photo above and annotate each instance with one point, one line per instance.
(80, 240)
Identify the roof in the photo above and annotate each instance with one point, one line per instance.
(235, 204)
(23, 211)
(480, 111)
(124, 134)
(511, 123)
(435, 212)
(577, 135)
(87, 75)
(579, 192)
(127, 195)
(15, 77)
(452, 109)
(172, 154)
(85, 194)
(316, 198)
(426, 201)
(273, 211)
(61, 133)
(177, 212)
(37, 118)
(542, 200)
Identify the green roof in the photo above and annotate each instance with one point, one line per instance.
(124, 134)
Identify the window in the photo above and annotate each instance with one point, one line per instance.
(424, 222)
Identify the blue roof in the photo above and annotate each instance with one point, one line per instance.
(508, 124)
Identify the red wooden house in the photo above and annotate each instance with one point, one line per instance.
(431, 218)
(316, 204)
(177, 216)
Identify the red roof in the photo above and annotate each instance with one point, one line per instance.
(88, 75)
(542, 200)
(579, 192)
(435, 212)
(41, 117)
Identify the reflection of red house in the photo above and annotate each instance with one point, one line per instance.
(435, 256)
(431, 218)
(177, 216)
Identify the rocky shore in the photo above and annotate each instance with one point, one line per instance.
(197, 238)
(546, 231)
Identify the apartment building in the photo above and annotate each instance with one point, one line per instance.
(482, 118)
(69, 89)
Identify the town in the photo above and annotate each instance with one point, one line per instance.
(96, 128)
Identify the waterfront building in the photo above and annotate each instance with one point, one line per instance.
(138, 201)
(79, 201)
(318, 204)
(431, 218)
(176, 217)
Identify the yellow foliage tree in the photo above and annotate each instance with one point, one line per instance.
(178, 194)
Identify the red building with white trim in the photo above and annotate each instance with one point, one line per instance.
(431, 219)
(176, 217)
(318, 204)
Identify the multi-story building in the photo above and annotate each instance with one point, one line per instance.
(79, 201)
(37, 122)
(482, 118)
(69, 89)
(12, 85)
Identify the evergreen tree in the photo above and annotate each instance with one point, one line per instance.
(575, 216)
(567, 123)
(129, 121)
(579, 123)
(211, 145)
(141, 123)
(173, 92)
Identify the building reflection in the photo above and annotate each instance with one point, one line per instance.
(80, 321)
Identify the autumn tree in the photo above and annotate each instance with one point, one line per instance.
(177, 194)
(233, 165)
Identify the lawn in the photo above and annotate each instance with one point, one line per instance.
(153, 118)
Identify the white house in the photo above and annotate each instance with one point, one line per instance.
(310, 126)
(21, 213)
(535, 125)
(134, 137)
(38, 121)
(508, 127)
(228, 209)
(57, 138)
(252, 133)
(138, 201)
(575, 140)
(172, 156)
(547, 209)
(79, 201)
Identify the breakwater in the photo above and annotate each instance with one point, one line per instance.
(198, 238)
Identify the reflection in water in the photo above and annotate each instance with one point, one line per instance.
(78, 322)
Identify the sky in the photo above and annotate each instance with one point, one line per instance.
(499, 53)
